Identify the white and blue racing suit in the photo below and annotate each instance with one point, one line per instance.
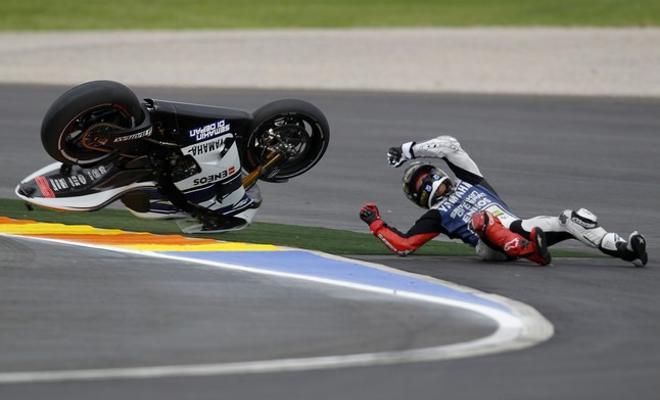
(471, 193)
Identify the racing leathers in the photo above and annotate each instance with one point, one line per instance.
(472, 211)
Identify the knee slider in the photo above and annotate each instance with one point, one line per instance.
(583, 225)
(478, 222)
(487, 253)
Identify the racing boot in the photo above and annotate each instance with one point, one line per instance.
(634, 250)
(540, 255)
(637, 245)
(491, 231)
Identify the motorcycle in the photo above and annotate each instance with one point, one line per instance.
(167, 159)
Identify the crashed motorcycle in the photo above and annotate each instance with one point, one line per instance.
(166, 159)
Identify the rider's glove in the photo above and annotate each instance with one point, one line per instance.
(398, 155)
(369, 214)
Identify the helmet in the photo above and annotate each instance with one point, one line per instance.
(420, 181)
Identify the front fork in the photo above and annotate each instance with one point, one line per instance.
(273, 159)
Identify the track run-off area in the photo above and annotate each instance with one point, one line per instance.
(69, 307)
(515, 325)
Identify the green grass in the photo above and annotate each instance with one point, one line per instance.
(328, 240)
(223, 14)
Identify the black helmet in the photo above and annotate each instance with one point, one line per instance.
(421, 180)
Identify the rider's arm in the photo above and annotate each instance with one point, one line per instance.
(449, 149)
(445, 147)
(424, 229)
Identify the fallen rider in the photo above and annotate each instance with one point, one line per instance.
(470, 209)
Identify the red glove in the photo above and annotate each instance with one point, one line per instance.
(369, 213)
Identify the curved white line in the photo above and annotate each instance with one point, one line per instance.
(523, 327)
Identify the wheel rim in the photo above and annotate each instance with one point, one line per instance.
(297, 135)
(74, 140)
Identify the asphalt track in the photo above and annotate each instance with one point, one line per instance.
(157, 312)
(543, 154)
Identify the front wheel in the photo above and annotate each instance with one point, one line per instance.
(295, 129)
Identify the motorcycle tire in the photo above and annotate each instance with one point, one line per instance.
(97, 103)
(299, 125)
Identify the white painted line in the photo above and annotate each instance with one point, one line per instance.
(254, 367)
(522, 328)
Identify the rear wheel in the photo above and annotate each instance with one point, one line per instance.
(295, 129)
(83, 112)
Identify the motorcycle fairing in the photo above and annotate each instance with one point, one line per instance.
(78, 188)
(216, 183)
(190, 124)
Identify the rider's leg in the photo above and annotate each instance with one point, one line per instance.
(492, 233)
(583, 226)
(488, 253)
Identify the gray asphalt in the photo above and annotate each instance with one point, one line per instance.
(605, 347)
(65, 307)
(543, 154)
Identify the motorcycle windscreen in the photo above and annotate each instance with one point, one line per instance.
(80, 189)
